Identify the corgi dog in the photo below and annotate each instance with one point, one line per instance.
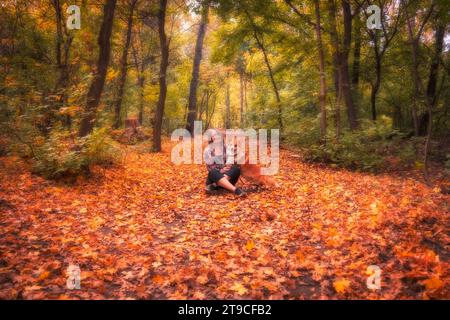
(252, 173)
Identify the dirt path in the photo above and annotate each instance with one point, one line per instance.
(147, 230)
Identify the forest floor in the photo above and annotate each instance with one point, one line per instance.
(146, 230)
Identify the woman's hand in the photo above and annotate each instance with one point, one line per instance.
(225, 169)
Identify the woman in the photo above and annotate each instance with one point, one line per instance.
(220, 174)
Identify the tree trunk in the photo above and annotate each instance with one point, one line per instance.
(260, 42)
(245, 95)
(272, 79)
(98, 82)
(323, 88)
(415, 76)
(227, 106)
(345, 77)
(123, 68)
(435, 63)
(62, 59)
(431, 88)
(418, 84)
(336, 66)
(164, 46)
(140, 68)
(241, 97)
(356, 52)
(375, 86)
(202, 105)
(433, 77)
(196, 69)
(141, 82)
(210, 113)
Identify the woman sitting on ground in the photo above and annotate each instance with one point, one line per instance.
(220, 174)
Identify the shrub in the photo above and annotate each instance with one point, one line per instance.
(100, 149)
(363, 149)
(62, 156)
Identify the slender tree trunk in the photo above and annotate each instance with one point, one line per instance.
(59, 33)
(245, 95)
(98, 82)
(140, 68)
(162, 76)
(241, 97)
(260, 42)
(323, 88)
(345, 77)
(62, 59)
(210, 113)
(196, 69)
(336, 66)
(205, 106)
(201, 106)
(415, 75)
(375, 86)
(272, 79)
(356, 52)
(435, 63)
(431, 88)
(141, 83)
(123, 68)
(228, 107)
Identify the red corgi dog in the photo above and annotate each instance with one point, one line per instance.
(252, 173)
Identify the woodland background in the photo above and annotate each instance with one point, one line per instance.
(347, 95)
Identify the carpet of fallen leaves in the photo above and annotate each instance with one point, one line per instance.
(146, 230)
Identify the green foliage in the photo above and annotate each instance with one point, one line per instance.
(365, 149)
(60, 156)
(100, 149)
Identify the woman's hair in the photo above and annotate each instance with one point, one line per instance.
(212, 134)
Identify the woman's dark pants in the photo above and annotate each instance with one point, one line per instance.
(215, 175)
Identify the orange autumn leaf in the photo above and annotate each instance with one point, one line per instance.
(158, 279)
(341, 286)
(239, 288)
(249, 245)
(44, 275)
(433, 283)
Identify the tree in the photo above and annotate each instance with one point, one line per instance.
(432, 92)
(192, 107)
(337, 70)
(323, 85)
(164, 47)
(379, 49)
(259, 38)
(63, 44)
(343, 56)
(96, 88)
(227, 106)
(414, 41)
(124, 65)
